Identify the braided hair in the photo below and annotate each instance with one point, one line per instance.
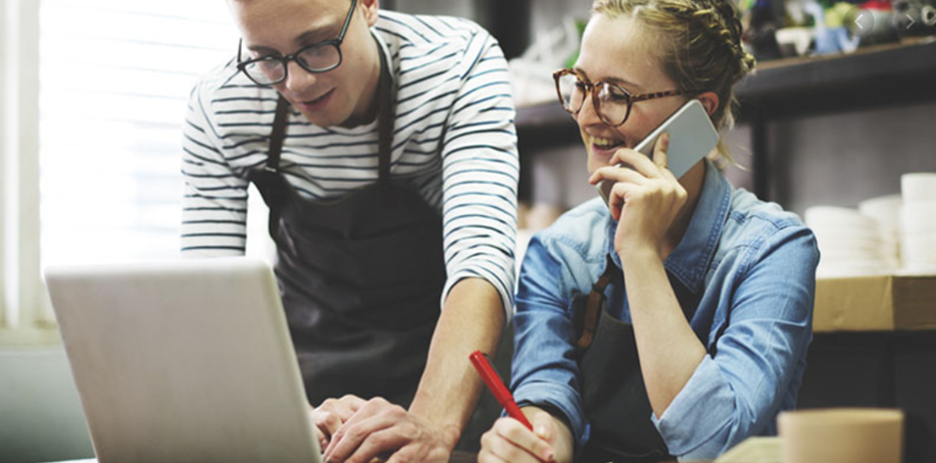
(702, 45)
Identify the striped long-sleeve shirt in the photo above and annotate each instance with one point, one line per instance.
(454, 140)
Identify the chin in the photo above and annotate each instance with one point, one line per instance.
(333, 114)
(320, 119)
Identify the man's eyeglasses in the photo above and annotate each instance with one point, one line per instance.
(612, 102)
(316, 58)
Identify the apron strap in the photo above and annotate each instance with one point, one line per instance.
(278, 134)
(385, 116)
(593, 306)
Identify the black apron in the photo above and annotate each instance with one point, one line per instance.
(361, 277)
(613, 392)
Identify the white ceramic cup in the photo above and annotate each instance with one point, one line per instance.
(918, 217)
(919, 249)
(841, 436)
(918, 186)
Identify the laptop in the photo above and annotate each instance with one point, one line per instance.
(183, 361)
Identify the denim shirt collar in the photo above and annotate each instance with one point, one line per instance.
(689, 261)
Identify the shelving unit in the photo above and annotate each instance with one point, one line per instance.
(879, 74)
(883, 75)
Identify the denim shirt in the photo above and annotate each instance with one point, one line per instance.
(744, 274)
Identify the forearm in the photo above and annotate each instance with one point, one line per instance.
(668, 349)
(472, 319)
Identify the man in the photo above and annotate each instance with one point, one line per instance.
(384, 145)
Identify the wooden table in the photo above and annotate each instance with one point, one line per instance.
(457, 457)
(465, 457)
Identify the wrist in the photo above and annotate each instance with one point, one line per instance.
(639, 256)
(450, 434)
(448, 431)
(563, 442)
(551, 409)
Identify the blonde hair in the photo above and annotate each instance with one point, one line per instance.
(704, 51)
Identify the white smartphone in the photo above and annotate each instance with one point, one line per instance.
(692, 137)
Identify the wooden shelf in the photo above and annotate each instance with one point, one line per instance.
(878, 74)
(547, 115)
(871, 75)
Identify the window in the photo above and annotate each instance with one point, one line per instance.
(94, 95)
(115, 78)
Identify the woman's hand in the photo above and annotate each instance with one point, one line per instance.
(511, 441)
(645, 199)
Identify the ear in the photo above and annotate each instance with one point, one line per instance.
(710, 101)
(371, 9)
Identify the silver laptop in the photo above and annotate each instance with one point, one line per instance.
(184, 361)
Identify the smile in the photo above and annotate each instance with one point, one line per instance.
(317, 103)
(606, 144)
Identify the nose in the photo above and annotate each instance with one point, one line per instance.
(298, 79)
(588, 115)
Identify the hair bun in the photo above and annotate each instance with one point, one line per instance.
(705, 52)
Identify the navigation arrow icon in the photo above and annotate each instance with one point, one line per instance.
(863, 19)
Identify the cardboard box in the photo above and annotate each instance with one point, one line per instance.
(875, 303)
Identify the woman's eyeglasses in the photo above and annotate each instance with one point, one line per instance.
(612, 102)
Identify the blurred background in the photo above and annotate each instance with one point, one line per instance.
(840, 109)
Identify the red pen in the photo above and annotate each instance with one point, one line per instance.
(496, 385)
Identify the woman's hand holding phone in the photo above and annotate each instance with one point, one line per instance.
(645, 200)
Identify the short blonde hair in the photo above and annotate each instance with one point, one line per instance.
(704, 46)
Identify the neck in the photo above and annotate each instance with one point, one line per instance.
(366, 110)
(692, 182)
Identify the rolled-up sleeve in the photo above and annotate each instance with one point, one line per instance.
(544, 370)
(737, 392)
(214, 205)
(480, 175)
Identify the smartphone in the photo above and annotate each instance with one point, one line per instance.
(692, 137)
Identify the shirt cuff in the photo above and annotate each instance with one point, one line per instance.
(564, 398)
(701, 410)
(548, 408)
(506, 294)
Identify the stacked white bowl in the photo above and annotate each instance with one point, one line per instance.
(885, 210)
(918, 221)
(851, 243)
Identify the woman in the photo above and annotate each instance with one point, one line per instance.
(674, 324)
